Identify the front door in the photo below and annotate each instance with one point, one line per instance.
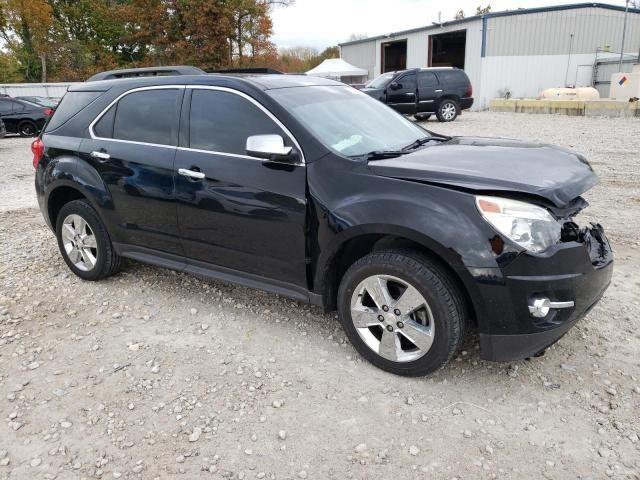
(402, 97)
(133, 147)
(244, 213)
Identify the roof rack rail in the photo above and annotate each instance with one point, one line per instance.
(258, 70)
(147, 72)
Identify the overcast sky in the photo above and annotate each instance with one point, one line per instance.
(321, 23)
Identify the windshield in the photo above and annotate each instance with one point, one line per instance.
(381, 81)
(348, 121)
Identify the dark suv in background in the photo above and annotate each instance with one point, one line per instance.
(422, 92)
(308, 188)
(23, 117)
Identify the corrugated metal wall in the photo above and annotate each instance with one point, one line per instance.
(549, 33)
(525, 53)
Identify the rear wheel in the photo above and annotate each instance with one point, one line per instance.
(84, 242)
(27, 129)
(402, 312)
(448, 110)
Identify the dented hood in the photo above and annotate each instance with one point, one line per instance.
(492, 164)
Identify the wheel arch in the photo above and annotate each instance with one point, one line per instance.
(449, 96)
(59, 197)
(69, 178)
(357, 242)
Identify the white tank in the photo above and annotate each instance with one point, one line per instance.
(580, 93)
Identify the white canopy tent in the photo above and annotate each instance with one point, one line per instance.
(338, 69)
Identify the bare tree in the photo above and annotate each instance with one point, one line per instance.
(459, 14)
(357, 36)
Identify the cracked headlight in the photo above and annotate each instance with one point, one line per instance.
(529, 226)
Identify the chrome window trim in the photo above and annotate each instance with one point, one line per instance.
(257, 104)
(189, 149)
(108, 107)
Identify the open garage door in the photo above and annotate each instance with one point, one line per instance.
(394, 56)
(447, 49)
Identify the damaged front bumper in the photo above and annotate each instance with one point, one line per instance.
(536, 299)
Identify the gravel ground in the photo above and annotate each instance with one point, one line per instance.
(155, 374)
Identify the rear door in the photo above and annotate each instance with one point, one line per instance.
(133, 147)
(428, 91)
(245, 213)
(403, 98)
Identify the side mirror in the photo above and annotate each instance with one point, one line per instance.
(395, 86)
(269, 147)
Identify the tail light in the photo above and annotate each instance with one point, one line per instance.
(37, 148)
(470, 91)
(48, 111)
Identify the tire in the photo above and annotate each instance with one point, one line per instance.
(27, 129)
(422, 117)
(448, 110)
(444, 317)
(98, 259)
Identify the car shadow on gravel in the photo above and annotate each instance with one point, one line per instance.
(185, 286)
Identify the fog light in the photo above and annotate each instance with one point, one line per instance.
(540, 307)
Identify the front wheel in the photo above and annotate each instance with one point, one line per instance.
(448, 110)
(422, 117)
(402, 312)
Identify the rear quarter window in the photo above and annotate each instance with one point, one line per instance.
(452, 77)
(72, 104)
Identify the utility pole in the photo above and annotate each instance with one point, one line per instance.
(624, 33)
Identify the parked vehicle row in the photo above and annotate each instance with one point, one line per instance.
(422, 92)
(312, 189)
(23, 117)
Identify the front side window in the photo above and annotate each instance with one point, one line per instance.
(408, 82)
(222, 121)
(148, 116)
(346, 120)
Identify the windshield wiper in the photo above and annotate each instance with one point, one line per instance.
(381, 154)
(421, 141)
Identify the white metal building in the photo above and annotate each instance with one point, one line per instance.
(523, 51)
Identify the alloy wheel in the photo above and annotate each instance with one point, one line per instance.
(79, 242)
(392, 318)
(448, 111)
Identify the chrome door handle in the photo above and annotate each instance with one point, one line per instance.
(409, 93)
(191, 174)
(100, 155)
(439, 91)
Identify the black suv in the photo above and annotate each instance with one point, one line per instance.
(421, 92)
(308, 188)
(20, 116)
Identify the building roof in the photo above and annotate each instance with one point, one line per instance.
(506, 13)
